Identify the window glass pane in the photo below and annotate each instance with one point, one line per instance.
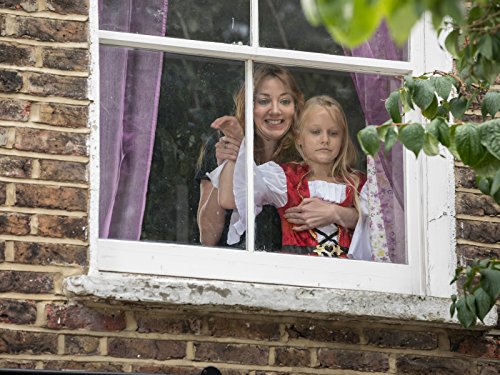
(283, 25)
(215, 21)
(156, 111)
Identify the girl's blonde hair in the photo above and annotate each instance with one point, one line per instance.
(343, 170)
(284, 150)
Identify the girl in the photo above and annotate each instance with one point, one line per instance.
(327, 173)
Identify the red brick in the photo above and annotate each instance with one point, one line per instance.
(151, 349)
(26, 282)
(92, 366)
(10, 81)
(63, 198)
(68, 6)
(475, 344)
(62, 227)
(292, 357)
(13, 54)
(241, 354)
(49, 254)
(78, 316)
(62, 171)
(15, 110)
(353, 360)
(224, 327)
(81, 345)
(26, 5)
(71, 116)
(54, 85)
(479, 231)
(165, 369)
(415, 364)
(51, 142)
(47, 30)
(24, 342)
(168, 324)
(14, 224)
(17, 312)
(324, 332)
(401, 339)
(11, 166)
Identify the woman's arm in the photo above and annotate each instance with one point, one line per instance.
(210, 216)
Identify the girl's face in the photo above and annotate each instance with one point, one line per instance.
(273, 109)
(320, 138)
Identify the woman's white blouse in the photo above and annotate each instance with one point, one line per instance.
(270, 188)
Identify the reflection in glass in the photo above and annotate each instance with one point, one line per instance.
(207, 20)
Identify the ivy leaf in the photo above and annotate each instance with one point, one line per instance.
(392, 106)
(466, 317)
(412, 137)
(431, 145)
(458, 106)
(490, 282)
(470, 301)
(487, 166)
(453, 308)
(368, 140)
(451, 43)
(406, 100)
(423, 94)
(382, 131)
(468, 143)
(495, 185)
(431, 111)
(491, 104)
(390, 138)
(490, 136)
(483, 183)
(440, 129)
(485, 46)
(483, 303)
(443, 86)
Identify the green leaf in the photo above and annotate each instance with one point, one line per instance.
(490, 282)
(451, 43)
(423, 94)
(443, 85)
(487, 166)
(468, 143)
(453, 308)
(406, 100)
(431, 145)
(439, 128)
(490, 104)
(483, 303)
(485, 46)
(466, 317)
(483, 183)
(390, 138)
(490, 136)
(495, 185)
(382, 131)
(431, 111)
(402, 21)
(458, 106)
(368, 140)
(392, 106)
(412, 137)
(471, 303)
(453, 147)
(310, 10)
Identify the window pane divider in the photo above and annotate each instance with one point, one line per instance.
(254, 23)
(255, 53)
(249, 162)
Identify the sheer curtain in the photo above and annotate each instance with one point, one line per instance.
(385, 172)
(129, 95)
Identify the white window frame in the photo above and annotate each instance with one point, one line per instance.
(429, 188)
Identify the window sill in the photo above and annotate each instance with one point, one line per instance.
(272, 298)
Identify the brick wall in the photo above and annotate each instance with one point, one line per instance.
(43, 238)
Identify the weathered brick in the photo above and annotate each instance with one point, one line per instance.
(17, 312)
(15, 224)
(353, 360)
(44, 29)
(78, 316)
(480, 231)
(324, 332)
(165, 369)
(92, 366)
(10, 81)
(62, 227)
(26, 5)
(50, 142)
(3, 193)
(11, 166)
(224, 327)
(15, 110)
(168, 324)
(81, 345)
(4, 136)
(17, 364)
(72, 116)
(465, 177)
(401, 339)
(56, 170)
(469, 252)
(65, 59)
(68, 6)
(152, 349)
(13, 54)
(26, 282)
(242, 354)
(414, 364)
(294, 357)
(2, 251)
(476, 204)
(475, 344)
(488, 368)
(46, 253)
(55, 85)
(64, 198)
(16, 342)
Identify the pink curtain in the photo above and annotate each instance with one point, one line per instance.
(129, 96)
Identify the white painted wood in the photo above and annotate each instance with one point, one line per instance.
(254, 23)
(249, 131)
(257, 54)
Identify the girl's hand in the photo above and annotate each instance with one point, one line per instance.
(227, 149)
(230, 126)
(315, 212)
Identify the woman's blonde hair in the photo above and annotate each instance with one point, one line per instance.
(343, 170)
(284, 150)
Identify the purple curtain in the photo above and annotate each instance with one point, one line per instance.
(372, 91)
(129, 96)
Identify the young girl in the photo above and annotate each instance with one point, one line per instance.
(327, 173)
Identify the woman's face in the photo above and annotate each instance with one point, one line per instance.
(273, 110)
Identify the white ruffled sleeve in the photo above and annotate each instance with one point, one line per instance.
(360, 245)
